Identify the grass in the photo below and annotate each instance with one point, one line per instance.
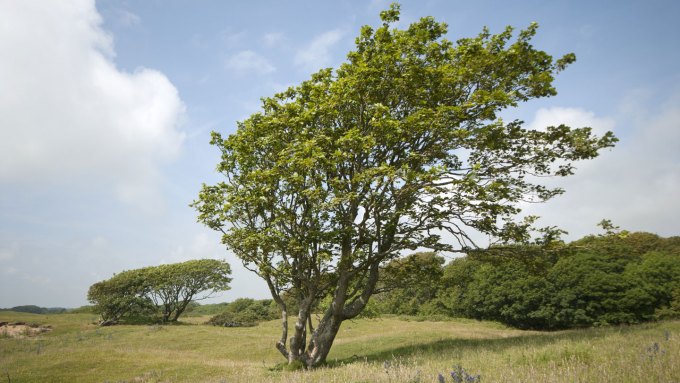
(379, 350)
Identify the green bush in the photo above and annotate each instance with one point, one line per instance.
(244, 312)
(617, 278)
(230, 319)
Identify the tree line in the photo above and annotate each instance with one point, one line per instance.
(618, 278)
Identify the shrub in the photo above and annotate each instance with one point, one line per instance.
(230, 319)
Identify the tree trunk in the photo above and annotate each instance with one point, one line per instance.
(322, 340)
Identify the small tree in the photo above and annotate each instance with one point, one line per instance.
(165, 289)
(339, 175)
(174, 286)
(123, 294)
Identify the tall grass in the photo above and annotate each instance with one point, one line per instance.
(380, 350)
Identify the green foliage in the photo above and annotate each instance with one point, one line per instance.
(344, 172)
(612, 279)
(588, 289)
(244, 312)
(163, 292)
(125, 294)
(408, 282)
(33, 309)
(87, 309)
(231, 319)
(616, 278)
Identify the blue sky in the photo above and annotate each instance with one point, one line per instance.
(106, 110)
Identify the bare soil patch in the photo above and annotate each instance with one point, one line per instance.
(22, 329)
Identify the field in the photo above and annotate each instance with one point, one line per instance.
(378, 350)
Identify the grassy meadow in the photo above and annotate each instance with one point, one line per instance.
(376, 350)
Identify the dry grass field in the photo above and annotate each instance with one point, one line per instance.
(390, 350)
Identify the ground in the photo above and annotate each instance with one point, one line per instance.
(394, 350)
(21, 329)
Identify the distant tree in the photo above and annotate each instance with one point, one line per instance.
(509, 289)
(457, 276)
(406, 283)
(244, 312)
(33, 309)
(122, 295)
(619, 277)
(166, 290)
(173, 286)
(655, 281)
(348, 170)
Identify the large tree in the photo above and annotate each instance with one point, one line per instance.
(399, 148)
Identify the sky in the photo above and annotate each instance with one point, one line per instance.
(106, 110)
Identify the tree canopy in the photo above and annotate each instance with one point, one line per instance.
(164, 291)
(399, 148)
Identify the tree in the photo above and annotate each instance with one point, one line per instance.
(122, 295)
(165, 289)
(174, 286)
(398, 146)
(407, 283)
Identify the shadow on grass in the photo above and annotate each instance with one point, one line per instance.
(464, 345)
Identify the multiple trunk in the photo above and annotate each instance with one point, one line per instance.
(311, 345)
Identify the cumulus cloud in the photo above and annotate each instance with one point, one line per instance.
(634, 184)
(249, 62)
(317, 54)
(67, 114)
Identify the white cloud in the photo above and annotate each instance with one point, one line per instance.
(249, 62)
(127, 18)
(67, 114)
(573, 117)
(317, 54)
(635, 184)
(273, 39)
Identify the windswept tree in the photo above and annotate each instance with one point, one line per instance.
(122, 295)
(400, 148)
(164, 291)
(174, 286)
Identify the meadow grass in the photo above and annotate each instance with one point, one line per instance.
(391, 350)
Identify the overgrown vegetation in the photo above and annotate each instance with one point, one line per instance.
(159, 293)
(618, 278)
